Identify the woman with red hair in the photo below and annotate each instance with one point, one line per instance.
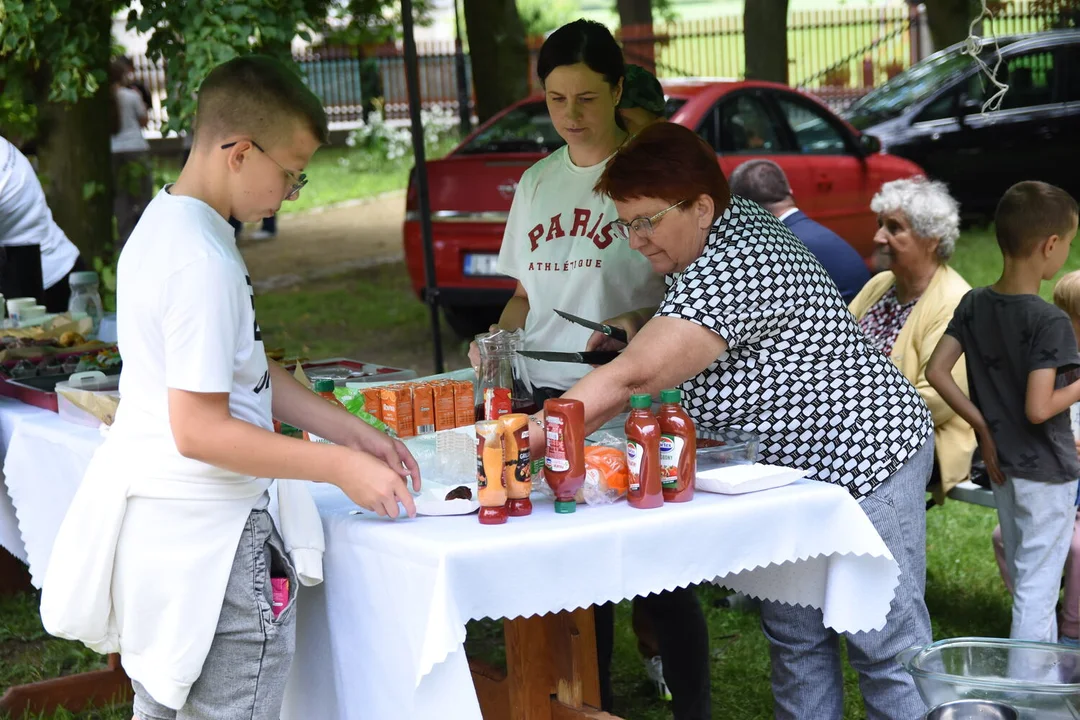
(759, 339)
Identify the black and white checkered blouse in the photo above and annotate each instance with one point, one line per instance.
(798, 371)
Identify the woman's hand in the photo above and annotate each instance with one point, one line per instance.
(630, 323)
(990, 457)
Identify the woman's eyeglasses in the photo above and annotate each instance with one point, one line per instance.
(298, 182)
(643, 226)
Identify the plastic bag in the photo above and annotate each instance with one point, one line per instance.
(353, 400)
(607, 476)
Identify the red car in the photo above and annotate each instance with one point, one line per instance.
(834, 171)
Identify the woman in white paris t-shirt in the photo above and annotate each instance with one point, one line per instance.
(559, 243)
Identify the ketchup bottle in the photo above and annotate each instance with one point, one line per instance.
(564, 462)
(643, 454)
(678, 448)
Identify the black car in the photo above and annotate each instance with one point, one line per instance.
(932, 114)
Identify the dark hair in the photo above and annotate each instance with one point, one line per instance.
(669, 162)
(762, 181)
(584, 41)
(1028, 213)
(257, 96)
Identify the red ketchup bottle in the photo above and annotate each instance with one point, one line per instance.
(643, 454)
(564, 463)
(678, 448)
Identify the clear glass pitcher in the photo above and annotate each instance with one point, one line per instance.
(502, 367)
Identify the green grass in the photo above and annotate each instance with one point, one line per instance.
(373, 315)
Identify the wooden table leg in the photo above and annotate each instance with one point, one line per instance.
(551, 671)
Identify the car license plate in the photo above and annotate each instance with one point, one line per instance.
(477, 264)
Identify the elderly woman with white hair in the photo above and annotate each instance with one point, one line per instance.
(905, 309)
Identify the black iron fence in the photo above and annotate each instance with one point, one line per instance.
(838, 54)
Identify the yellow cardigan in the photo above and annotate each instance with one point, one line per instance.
(954, 439)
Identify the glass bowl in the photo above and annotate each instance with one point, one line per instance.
(1040, 680)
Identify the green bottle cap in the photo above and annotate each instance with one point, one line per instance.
(641, 402)
(326, 385)
(671, 396)
(564, 507)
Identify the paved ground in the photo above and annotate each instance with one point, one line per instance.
(327, 241)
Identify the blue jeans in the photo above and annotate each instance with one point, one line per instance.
(806, 676)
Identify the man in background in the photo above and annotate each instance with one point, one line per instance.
(764, 182)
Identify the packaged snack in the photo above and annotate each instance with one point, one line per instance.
(397, 409)
(372, 402)
(445, 413)
(606, 475)
(423, 402)
(464, 403)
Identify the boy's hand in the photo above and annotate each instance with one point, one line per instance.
(990, 457)
(373, 486)
(394, 453)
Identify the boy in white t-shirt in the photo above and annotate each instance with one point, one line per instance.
(191, 564)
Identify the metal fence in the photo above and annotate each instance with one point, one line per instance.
(838, 54)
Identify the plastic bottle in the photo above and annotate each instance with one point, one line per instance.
(491, 486)
(325, 390)
(85, 300)
(516, 463)
(643, 454)
(678, 448)
(564, 462)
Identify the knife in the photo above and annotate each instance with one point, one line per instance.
(615, 333)
(595, 357)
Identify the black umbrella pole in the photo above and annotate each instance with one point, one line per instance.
(412, 78)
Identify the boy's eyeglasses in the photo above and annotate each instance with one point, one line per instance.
(643, 226)
(298, 182)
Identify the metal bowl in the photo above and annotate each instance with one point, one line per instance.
(973, 710)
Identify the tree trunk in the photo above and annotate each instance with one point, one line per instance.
(499, 55)
(765, 40)
(74, 159)
(949, 21)
(638, 38)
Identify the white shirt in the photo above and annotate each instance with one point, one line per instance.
(25, 218)
(185, 318)
(143, 557)
(559, 245)
(131, 110)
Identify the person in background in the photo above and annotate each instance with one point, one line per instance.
(134, 83)
(764, 182)
(26, 221)
(1016, 347)
(130, 153)
(905, 309)
(642, 101)
(1066, 297)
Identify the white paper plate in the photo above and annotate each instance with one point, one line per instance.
(434, 502)
(738, 479)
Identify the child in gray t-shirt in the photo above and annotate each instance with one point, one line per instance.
(1016, 345)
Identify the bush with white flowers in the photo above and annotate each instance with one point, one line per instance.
(393, 143)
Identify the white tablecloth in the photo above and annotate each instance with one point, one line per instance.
(382, 638)
(44, 460)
